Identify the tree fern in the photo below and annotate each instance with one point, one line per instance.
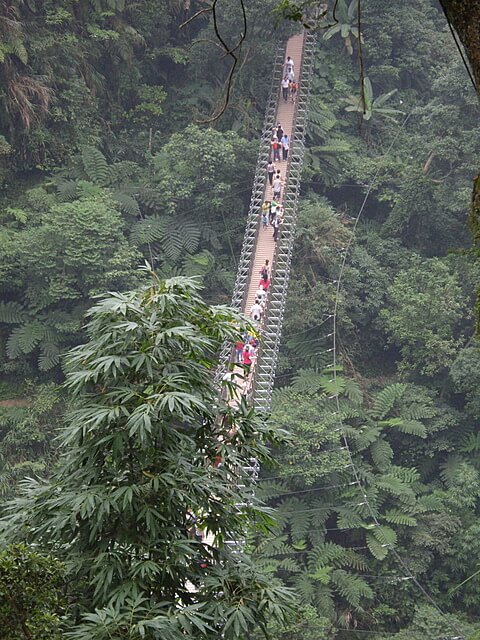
(378, 550)
(381, 452)
(352, 391)
(304, 588)
(411, 427)
(352, 588)
(67, 190)
(451, 469)
(95, 165)
(385, 399)
(348, 519)
(127, 204)
(148, 230)
(396, 517)
(324, 554)
(11, 313)
(24, 339)
(392, 485)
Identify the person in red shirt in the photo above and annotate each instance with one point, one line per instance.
(247, 356)
(276, 146)
(239, 351)
(264, 283)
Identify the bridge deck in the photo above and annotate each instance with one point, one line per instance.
(285, 115)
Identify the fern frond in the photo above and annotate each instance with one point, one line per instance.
(127, 204)
(11, 313)
(348, 519)
(150, 229)
(395, 517)
(412, 427)
(408, 475)
(392, 485)
(289, 564)
(385, 535)
(351, 558)
(151, 197)
(24, 339)
(428, 503)
(95, 165)
(471, 443)
(181, 237)
(451, 469)
(49, 356)
(304, 588)
(353, 392)
(377, 550)
(366, 437)
(306, 381)
(351, 587)
(67, 190)
(385, 399)
(300, 527)
(382, 453)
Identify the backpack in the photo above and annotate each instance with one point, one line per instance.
(264, 273)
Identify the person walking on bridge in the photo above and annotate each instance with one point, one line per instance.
(277, 223)
(277, 187)
(256, 312)
(289, 65)
(293, 90)
(285, 141)
(265, 270)
(276, 146)
(270, 171)
(273, 211)
(285, 86)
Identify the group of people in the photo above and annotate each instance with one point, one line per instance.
(280, 145)
(289, 84)
(258, 306)
(272, 213)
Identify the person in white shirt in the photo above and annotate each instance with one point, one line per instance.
(260, 295)
(277, 187)
(289, 65)
(256, 312)
(285, 146)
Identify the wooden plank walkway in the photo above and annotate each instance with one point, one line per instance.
(265, 246)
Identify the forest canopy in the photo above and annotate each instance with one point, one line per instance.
(106, 163)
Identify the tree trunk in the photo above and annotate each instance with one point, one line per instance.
(465, 18)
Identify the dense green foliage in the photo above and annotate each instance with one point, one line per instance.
(103, 163)
(30, 600)
(140, 447)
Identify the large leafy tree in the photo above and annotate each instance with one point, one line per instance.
(151, 456)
